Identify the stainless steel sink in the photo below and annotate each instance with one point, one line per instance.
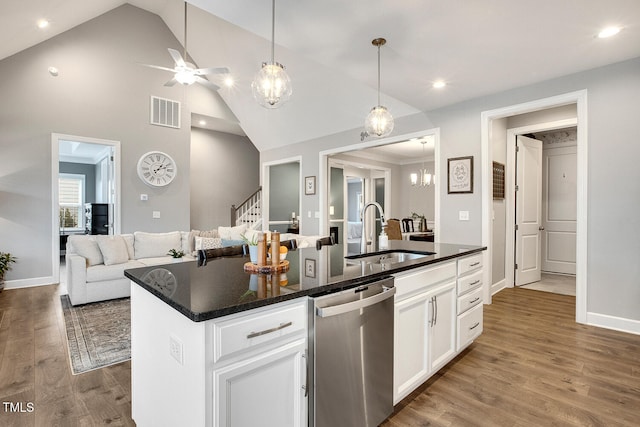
(387, 257)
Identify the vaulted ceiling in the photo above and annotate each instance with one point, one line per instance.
(476, 47)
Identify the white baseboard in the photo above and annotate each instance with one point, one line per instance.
(28, 283)
(498, 286)
(615, 323)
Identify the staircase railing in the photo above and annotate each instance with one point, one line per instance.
(248, 212)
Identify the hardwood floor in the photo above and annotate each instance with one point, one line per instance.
(532, 366)
(34, 368)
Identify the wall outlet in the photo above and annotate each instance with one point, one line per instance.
(144, 197)
(156, 214)
(463, 215)
(176, 349)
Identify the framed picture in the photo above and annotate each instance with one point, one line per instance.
(460, 175)
(309, 185)
(310, 267)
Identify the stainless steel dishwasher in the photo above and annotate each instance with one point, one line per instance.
(351, 341)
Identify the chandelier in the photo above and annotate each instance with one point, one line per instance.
(425, 176)
(271, 85)
(379, 122)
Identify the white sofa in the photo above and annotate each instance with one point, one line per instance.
(95, 264)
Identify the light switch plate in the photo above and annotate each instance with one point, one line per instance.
(156, 214)
(463, 215)
(176, 349)
(144, 197)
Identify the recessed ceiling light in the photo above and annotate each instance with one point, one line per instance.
(439, 84)
(42, 23)
(202, 122)
(608, 32)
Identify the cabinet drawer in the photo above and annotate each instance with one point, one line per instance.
(416, 281)
(245, 332)
(470, 299)
(467, 283)
(467, 265)
(469, 326)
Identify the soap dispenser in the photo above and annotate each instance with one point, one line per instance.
(383, 240)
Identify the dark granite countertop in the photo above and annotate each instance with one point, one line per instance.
(222, 287)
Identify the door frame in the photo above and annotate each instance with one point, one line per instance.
(323, 175)
(264, 182)
(55, 173)
(580, 99)
(510, 182)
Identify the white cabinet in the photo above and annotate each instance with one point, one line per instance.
(424, 325)
(244, 369)
(469, 304)
(266, 389)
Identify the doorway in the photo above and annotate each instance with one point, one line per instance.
(281, 202)
(579, 99)
(84, 171)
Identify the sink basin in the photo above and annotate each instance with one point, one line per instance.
(387, 257)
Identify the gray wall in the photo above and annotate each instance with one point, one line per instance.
(225, 170)
(89, 172)
(420, 200)
(613, 226)
(101, 92)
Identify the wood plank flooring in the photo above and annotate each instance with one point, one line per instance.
(34, 367)
(533, 366)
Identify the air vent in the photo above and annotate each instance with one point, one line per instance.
(165, 112)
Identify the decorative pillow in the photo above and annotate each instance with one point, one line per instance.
(207, 243)
(128, 239)
(232, 233)
(114, 249)
(150, 245)
(87, 247)
(252, 235)
(231, 242)
(189, 240)
(209, 233)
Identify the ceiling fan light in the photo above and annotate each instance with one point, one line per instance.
(379, 122)
(271, 85)
(185, 77)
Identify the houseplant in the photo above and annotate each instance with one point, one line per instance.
(176, 254)
(253, 247)
(6, 259)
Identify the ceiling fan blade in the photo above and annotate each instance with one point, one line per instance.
(177, 57)
(207, 83)
(212, 70)
(159, 67)
(171, 82)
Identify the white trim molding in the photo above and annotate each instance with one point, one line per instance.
(580, 99)
(612, 322)
(31, 282)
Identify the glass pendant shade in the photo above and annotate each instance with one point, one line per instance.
(271, 85)
(379, 122)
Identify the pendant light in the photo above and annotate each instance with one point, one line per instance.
(271, 85)
(425, 175)
(379, 121)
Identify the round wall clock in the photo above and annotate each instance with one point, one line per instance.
(157, 168)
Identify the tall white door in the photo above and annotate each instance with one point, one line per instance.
(528, 209)
(559, 210)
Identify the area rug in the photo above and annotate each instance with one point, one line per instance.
(99, 334)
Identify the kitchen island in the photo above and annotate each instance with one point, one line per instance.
(213, 345)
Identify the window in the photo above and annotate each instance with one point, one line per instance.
(71, 194)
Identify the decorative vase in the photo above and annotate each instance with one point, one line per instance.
(253, 254)
(177, 259)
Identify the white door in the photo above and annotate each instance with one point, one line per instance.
(528, 209)
(559, 210)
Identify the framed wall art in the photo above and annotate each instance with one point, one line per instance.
(309, 185)
(460, 175)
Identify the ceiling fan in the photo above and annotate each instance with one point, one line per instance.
(185, 72)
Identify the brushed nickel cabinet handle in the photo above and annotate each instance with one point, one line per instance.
(268, 331)
(475, 326)
(474, 300)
